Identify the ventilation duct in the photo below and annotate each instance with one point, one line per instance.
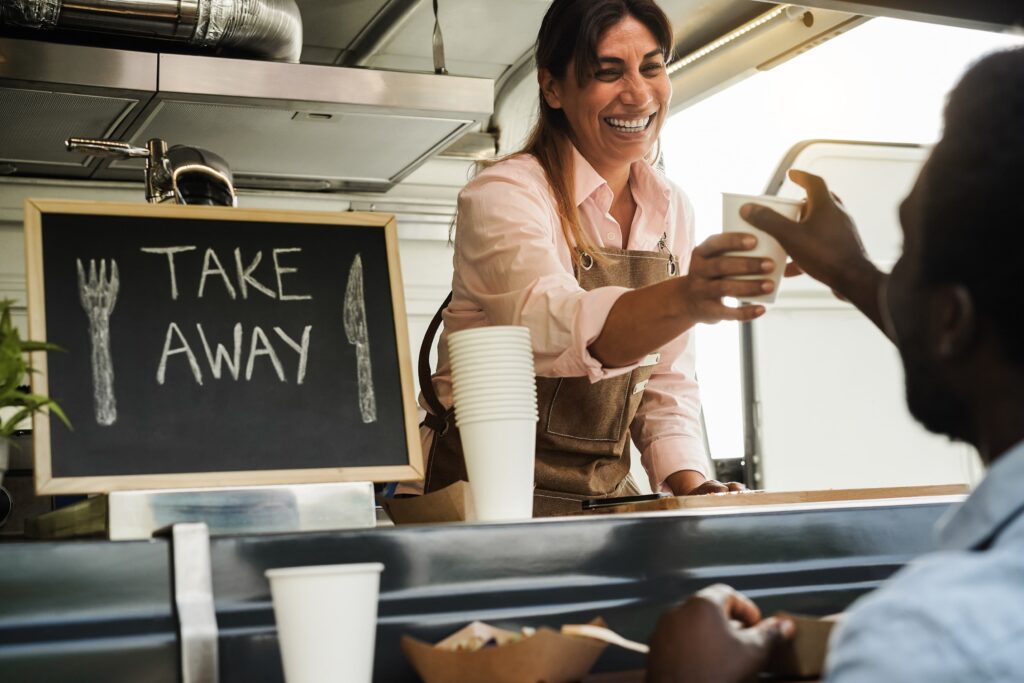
(271, 29)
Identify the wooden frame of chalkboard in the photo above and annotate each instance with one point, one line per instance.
(215, 346)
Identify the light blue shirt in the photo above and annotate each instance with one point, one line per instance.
(953, 615)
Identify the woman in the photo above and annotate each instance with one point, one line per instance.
(580, 239)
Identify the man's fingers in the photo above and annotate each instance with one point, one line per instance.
(772, 222)
(731, 603)
(716, 593)
(734, 605)
(736, 486)
(814, 184)
(769, 633)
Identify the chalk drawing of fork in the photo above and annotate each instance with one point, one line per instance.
(99, 294)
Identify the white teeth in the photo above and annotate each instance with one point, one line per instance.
(633, 125)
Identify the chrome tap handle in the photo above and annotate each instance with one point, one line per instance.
(105, 148)
(159, 183)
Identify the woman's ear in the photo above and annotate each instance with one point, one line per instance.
(550, 88)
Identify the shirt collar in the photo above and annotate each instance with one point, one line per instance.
(587, 180)
(991, 505)
(651, 189)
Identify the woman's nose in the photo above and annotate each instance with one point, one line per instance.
(635, 91)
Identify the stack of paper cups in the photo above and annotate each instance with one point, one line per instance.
(496, 412)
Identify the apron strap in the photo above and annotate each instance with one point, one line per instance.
(437, 417)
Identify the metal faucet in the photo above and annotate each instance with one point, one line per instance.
(158, 176)
(164, 167)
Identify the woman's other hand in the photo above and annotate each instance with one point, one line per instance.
(693, 483)
(715, 486)
(712, 266)
(717, 635)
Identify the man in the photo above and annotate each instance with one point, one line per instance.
(951, 307)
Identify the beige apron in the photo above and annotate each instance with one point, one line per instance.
(583, 429)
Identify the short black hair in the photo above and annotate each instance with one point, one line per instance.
(972, 205)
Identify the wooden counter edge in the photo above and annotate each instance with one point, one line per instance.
(751, 498)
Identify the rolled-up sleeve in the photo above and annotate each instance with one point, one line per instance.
(511, 264)
(667, 428)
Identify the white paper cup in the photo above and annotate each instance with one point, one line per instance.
(483, 397)
(496, 413)
(495, 408)
(497, 381)
(499, 461)
(457, 359)
(504, 342)
(522, 391)
(489, 353)
(465, 406)
(767, 246)
(496, 385)
(485, 365)
(326, 621)
(493, 332)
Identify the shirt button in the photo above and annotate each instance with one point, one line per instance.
(611, 235)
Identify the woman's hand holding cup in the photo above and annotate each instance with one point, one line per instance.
(709, 279)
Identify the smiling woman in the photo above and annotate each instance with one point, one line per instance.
(579, 238)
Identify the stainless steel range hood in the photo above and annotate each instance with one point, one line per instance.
(292, 126)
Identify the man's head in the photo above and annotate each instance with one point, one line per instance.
(953, 295)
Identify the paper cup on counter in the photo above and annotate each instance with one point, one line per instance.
(499, 453)
(767, 246)
(326, 621)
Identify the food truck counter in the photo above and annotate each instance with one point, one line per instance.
(101, 610)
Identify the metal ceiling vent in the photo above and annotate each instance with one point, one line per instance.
(270, 29)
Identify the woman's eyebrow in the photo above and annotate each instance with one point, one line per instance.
(653, 53)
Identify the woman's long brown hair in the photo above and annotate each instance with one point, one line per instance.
(570, 32)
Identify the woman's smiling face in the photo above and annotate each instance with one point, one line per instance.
(617, 113)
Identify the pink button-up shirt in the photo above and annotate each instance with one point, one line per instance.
(513, 266)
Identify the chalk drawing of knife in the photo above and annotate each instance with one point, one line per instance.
(358, 336)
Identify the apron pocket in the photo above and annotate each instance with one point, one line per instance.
(589, 412)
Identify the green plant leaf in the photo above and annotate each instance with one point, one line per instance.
(14, 368)
(59, 412)
(11, 424)
(39, 346)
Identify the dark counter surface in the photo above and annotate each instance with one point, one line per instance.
(99, 610)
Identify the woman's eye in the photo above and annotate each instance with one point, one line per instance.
(652, 68)
(607, 74)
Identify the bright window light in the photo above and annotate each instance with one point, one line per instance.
(884, 81)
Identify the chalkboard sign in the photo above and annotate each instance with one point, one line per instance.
(213, 346)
